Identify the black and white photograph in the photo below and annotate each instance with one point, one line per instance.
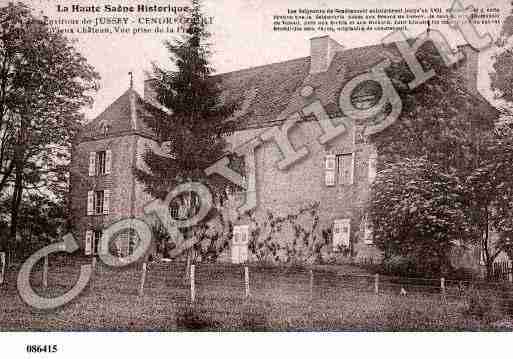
(329, 168)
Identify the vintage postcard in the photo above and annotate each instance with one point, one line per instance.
(254, 166)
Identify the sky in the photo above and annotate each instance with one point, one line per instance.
(242, 37)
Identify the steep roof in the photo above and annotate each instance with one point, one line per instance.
(125, 115)
(269, 93)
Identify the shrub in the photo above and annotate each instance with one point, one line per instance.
(400, 267)
(461, 274)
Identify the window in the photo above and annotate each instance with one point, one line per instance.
(100, 163)
(103, 128)
(341, 233)
(98, 202)
(345, 168)
(359, 135)
(174, 209)
(96, 242)
(366, 95)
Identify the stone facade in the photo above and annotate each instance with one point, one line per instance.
(268, 95)
(112, 131)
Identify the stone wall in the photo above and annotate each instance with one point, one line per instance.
(284, 192)
(120, 183)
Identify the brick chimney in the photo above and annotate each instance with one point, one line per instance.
(322, 51)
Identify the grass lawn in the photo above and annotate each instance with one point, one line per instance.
(280, 300)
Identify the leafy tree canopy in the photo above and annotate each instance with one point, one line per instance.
(417, 210)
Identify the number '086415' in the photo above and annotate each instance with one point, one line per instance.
(38, 348)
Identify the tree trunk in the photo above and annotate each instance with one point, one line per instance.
(15, 205)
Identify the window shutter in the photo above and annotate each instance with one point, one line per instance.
(92, 163)
(100, 241)
(106, 201)
(108, 161)
(240, 244)
(235, 254)
(372, 167)
(90, 203)
(235, 244)
(329, 165)
(367, 231)
(88, 243)
(243, 251)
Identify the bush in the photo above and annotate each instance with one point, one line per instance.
(420, 268)
(400, 267)
(461, 274)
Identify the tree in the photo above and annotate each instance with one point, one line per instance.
(441, 120)
(445, 126)
(44, 83)
(502, 75)
(198, 119)
(41, 220)
(417, 211)
(490, 193)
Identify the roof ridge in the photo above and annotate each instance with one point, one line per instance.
(258, 66)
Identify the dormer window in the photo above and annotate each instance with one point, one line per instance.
(366, 95)
(103, 128)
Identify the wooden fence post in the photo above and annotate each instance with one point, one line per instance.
(143, 279)
(246, 280)
(376, 283)
(193, 284)
(442, 287)
(45, 272)
(311, 285)
(2, 267)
